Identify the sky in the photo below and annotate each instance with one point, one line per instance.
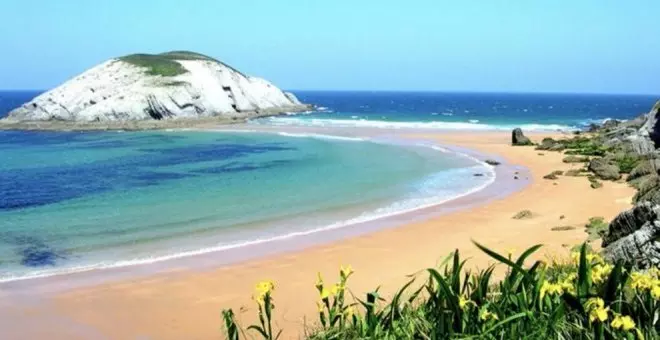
(605, 46)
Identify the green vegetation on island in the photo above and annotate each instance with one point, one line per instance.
(166, 64)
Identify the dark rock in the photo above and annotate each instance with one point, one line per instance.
(593, 127)
(604, 169)
(478, 175)
(632, 235)
(518, 138)
(551, 176)
(629, 221)
(492, 162)
(596, 185)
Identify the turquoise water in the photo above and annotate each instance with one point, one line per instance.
(76, 201)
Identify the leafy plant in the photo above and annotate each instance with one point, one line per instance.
(583, 297)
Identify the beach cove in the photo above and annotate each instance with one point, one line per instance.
(186, 303)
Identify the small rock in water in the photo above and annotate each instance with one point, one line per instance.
(492, 162)
(478, 175)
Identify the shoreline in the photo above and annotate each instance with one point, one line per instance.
(298, 238)
(404, 250)
(146, 125)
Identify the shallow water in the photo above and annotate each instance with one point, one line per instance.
(75, 201)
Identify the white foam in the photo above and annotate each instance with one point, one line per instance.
(321, 136)
(432, 198)
(364, 123)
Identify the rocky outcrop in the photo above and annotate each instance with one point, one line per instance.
(632, 235)
(651, 127)
(518, 138)
(157, 87)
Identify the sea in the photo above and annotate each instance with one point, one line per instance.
(83, 201)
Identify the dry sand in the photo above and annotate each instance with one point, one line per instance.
(187, 305)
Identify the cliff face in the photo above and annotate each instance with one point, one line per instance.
(165, 86)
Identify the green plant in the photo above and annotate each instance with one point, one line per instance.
(579, 298)
(626, 162)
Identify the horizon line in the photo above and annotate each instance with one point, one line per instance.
(428, 91)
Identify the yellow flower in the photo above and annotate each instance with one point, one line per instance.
(655, 292)
(320, 306)
(597, 309)
(336, 289)
(325, 293)
(463, 302)
(594, 258)
(551, 288)
(625, 323)
(486, 315)
(264, 287)
(640, 281)
(346, 271)
(600, 272)
(511, 251)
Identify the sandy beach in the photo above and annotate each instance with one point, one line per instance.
(188, 304)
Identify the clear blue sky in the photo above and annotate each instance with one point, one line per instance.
(605, 46)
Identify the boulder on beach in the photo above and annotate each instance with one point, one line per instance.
(518, 138)
(163, 86)
(604, 169)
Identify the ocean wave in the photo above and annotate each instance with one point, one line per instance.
(363, 123)
(431, 191)
(321, 136)
(599, 121)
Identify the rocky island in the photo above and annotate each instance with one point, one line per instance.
(147, 91)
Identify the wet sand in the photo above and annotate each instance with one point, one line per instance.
(187, 304)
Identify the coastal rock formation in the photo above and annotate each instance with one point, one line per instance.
(518, 138)
(632, 236)
(651, 127)
(156, 87)
(604, 169)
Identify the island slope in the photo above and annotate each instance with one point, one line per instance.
(167, 86)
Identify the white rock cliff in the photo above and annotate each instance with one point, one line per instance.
(138, 88)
